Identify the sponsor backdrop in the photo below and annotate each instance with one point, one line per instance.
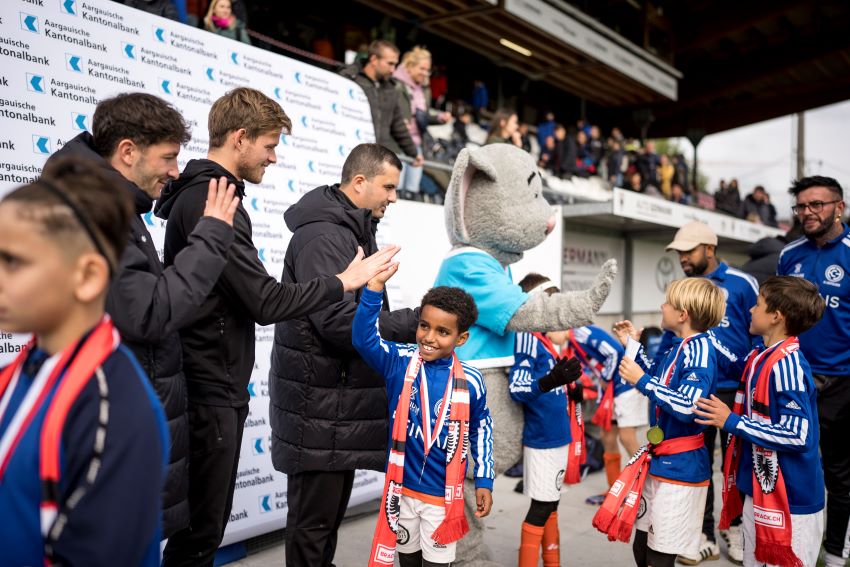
(60, 57)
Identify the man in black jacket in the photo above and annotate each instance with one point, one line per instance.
(328, 408)
(218, 349)
(136, 138)
(375, 77)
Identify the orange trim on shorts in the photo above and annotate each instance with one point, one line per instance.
(679, 482)
(426, 498)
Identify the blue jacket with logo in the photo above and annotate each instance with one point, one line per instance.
(693, 377)
(826, 344)
(792, 432)
(732, 339)
(421, 474)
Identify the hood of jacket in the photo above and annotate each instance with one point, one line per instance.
(328, 204)
(766, 246)
(197, 170)
(82, 146)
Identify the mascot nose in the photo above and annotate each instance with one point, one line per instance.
(550, 224)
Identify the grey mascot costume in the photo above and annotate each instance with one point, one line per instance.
(495, 211)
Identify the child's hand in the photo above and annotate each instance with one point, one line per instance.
(625, 329)
(712, 411)
(377, 283)
(484, 499)
(630, 371)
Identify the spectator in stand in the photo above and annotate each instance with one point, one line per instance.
(648, 164)
(758, 208)
(546, 129)
(163, 8)
(678, 194)
(439, 86)
(618, 162)
(584, 159)
(666, 173)
(681, 167)
(637, 185)
(480, 99)
(412, 83)
(374, 75)
(220, 20)
(617, 135)
(524, 137)
(504, 128)
(565, 154)
(596, 147)
(547, 153)
(460, 137)
(727, 199)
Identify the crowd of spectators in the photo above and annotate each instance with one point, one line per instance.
(755, 207)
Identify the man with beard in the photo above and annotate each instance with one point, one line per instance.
(822, 256)
(244, 128)
(696, 245)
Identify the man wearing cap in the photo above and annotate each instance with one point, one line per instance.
(696, 245)
(822, 256)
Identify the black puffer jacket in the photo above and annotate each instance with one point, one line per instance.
(764, 257)
(388, 113)
(328, 408)
(218, 348)
(149, 305)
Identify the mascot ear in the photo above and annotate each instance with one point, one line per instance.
(468, 162)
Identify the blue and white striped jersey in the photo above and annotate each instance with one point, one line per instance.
(390, 359)
(792, 431)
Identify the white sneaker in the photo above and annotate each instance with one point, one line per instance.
(708, 551)
(830, 560)
(734, 544)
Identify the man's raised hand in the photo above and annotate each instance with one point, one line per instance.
(361, 269)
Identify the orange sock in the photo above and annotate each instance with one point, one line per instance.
(529, 547)
(612, 466)
(551, 542)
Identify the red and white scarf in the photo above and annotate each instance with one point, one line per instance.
(577, 455)
(770, 499)
(454, 526)
(604, 414)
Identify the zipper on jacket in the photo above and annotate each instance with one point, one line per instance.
(343, 376)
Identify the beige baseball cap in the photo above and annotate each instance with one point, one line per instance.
(692, 235)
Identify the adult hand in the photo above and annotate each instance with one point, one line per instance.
(712, 411)
(378, 282)
(221, 203)
(630, 371)
(418, 161)
(484, 501)
(566, 371)
(361, 270)
(625, 329)
(576, 392)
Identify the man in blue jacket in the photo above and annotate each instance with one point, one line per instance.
(696, 244)
(822, 256)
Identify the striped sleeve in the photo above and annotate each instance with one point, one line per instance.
(480, 430)
(790, 395)
(696, 381)
(610, 360)
(522, 382)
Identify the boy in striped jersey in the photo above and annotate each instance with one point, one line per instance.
(775, 461)
(438, 418)
(668, 500)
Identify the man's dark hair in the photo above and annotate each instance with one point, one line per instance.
(368, 160)
(796, 298)
(140, 117)
(455, 301)
(377, 47)
(804, 183)
(533, 279)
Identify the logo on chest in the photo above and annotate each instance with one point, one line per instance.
(833, 275)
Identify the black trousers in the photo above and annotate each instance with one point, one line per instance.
(728, 398)
(834, 417)
(317, 501)
(215, 436)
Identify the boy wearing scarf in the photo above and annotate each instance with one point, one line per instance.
(83, 440)
(544, 382)
(775, 462)
(663, 488)
(439, 414)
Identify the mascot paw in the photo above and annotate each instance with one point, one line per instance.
(602, 286)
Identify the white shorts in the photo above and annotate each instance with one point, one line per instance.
(417, 522)
(631, 409)
(543, 472)
(671, 515)
(806, 536)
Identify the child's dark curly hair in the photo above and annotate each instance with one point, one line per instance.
(455, 301)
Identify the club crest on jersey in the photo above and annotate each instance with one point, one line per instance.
(766, 465)
(393, 505)
(833, 274)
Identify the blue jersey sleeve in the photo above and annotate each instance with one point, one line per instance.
(382, 356)
(696, 380)
(480, 431)
(791, 394)
(522, 384)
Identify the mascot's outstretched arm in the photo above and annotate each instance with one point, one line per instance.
(565, 310)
